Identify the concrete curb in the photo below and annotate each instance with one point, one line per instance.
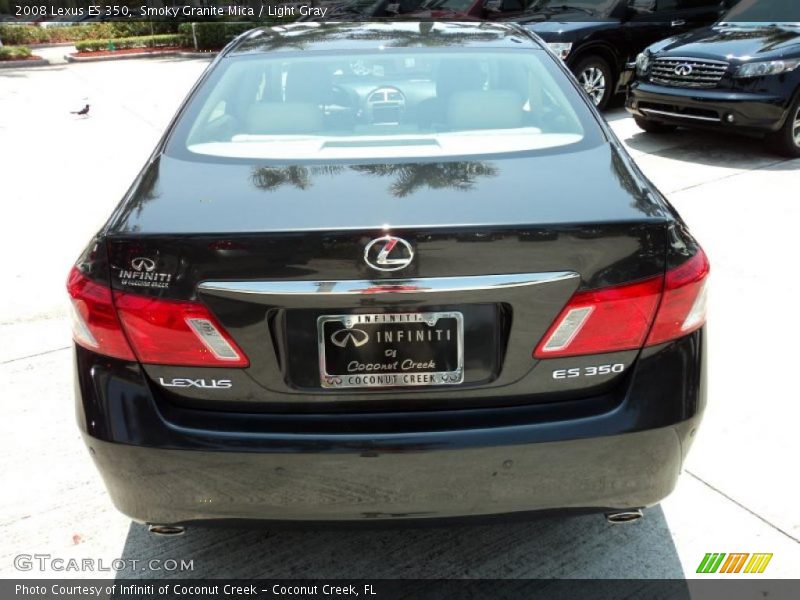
(80, 59)
(21, 64)
(47, 46)
(191, 54)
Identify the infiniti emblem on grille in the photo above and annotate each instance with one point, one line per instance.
(388, 253)
(357, 337)
(684, 70)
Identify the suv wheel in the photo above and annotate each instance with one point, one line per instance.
(654, 126)
(787, 140)
(596, 78)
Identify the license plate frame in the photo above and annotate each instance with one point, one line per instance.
(396, 377)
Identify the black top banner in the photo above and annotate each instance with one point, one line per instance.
(269, 11)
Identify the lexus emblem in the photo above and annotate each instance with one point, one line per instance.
(388, 253)
(684, 70)
(343, 337)
(148, 265)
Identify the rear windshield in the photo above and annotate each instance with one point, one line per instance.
(396, 103)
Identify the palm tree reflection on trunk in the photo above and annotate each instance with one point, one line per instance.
(406, 178)
(411, 177)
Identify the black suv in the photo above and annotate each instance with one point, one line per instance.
(742, 75)
(599, 38)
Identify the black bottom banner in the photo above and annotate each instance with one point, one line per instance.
(384, 589)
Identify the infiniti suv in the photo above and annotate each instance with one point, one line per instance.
(742, 75)
(388, 271)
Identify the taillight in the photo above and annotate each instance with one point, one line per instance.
(607, 320)
(619, 318)
(94, 322)
(683, 307)
(170, 332)
(165, 332)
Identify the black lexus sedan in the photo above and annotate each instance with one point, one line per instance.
(741, 75)
(388, 271)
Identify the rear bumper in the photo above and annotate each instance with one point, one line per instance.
(172, 486)
(751, 112)
(163, 468)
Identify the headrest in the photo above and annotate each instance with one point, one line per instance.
(283, 118)
(306, 82)
(497, 109)
(458, 75)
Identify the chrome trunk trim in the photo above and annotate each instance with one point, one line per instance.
(365, 287)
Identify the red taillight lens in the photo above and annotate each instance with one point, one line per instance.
(160, 331)
(608, 320)
(94, 323)
(169, 332)
(619, 318)
(683, 307)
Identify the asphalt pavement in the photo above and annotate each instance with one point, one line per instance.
(61, 176)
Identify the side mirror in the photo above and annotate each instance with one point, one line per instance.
(393, 8)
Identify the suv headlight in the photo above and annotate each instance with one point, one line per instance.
(770, 67)
(643, 63)
(561, 48)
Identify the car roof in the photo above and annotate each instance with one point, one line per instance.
(372, 36)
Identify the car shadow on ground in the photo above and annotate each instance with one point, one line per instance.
(564, 547)
(701, 147)
(706, 148)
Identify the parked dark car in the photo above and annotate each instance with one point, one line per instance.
(599, 38)
(741, 75)
(388, 271)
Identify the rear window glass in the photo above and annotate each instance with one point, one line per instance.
(386, 104)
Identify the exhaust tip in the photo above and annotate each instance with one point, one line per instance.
(166, 530)
(624, 516)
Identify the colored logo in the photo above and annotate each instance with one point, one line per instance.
(388, 253)
(734, 563)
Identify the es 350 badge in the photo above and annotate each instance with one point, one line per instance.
(142, 273)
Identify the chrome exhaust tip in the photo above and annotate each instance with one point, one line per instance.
(624, 516)
(166, 530)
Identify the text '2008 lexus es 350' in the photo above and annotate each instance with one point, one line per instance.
(386, 271)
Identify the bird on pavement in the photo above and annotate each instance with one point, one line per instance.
(83, 112)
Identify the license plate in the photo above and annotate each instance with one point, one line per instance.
(391, 349)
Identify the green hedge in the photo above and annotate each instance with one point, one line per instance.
(31, 34)
(14, 52)
(142, 41)
(213, 36)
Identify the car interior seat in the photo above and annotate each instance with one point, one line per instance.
(452, 76)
